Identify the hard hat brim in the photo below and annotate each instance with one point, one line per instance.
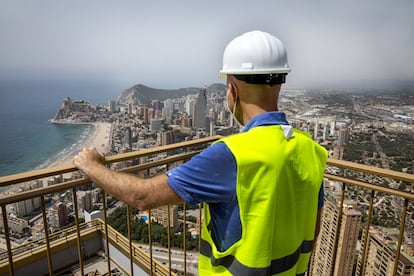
(224, 73)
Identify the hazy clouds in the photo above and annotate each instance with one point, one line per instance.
(180, 43)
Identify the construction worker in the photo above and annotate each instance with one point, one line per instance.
(261, 188)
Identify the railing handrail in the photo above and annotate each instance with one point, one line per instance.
(371, 170)
(374, 187)
(57, 170)
(66, 168)
(24, 195)
(37, 174)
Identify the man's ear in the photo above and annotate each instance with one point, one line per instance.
(232, 90)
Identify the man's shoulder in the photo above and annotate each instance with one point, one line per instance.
(256, 130)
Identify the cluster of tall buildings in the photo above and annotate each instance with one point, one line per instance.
(381, 254)
(324, 255)
(340, 242)
(170, 121)
(59, 209)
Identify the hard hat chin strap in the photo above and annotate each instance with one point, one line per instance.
(264, 79)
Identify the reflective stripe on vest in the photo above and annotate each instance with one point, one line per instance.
(237, 268)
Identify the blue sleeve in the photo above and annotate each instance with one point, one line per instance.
(321, 196)
(208, 177)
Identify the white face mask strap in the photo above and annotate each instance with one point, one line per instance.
(234, 110)
(234, 106)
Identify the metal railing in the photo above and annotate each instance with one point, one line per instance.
(374, 189)
(171, 156)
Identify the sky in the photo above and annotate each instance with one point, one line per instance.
(172, 44)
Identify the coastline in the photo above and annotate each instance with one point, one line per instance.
(99, 139)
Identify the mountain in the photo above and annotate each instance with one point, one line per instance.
(141, 94)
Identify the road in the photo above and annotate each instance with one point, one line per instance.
(177, 258)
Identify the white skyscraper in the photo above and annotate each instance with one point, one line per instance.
(332, 128)
(189, 105)
(326, 131)
(168, 109)
(315, 134)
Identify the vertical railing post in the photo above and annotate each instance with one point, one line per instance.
(169, 238)
(400, 237)
(338, 230)
(106, 231)
(7, 237)
(131, 259)
(46, 229)
(75, 206)
(150, 241)
(185, 238)
(366, 234)
(169, 231)
(200, 224)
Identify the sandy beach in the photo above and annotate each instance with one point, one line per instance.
(99, 139)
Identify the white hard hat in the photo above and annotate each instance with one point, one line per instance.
(255, 52)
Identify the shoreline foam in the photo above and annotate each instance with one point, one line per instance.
(99, 139)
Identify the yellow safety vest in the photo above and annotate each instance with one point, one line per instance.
(278, 182)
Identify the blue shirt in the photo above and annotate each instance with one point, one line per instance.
(211, 177)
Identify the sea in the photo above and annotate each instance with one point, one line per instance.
(28, 141)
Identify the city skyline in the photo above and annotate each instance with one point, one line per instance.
(350, 126)
(169, 45)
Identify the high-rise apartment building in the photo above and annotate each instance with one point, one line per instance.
(189, 105)
(161, 215)
(348, 238)
(112, 106)
(200, 110)
(168, 109)
(130, 108)
(151, 114)
(332, 128)
(26, 207)
(316, 130)
(58, 215)
(343, 136)
(168, 137)
(128, 138)
(142, 111)
(212, 132)
(156, 104)
(326, 131)
(156, 124)
(381, 254)
(323, 258)
(84, 200)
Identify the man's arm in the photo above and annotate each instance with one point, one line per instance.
(141, 193)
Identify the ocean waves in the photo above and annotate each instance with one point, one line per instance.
(40, 146)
